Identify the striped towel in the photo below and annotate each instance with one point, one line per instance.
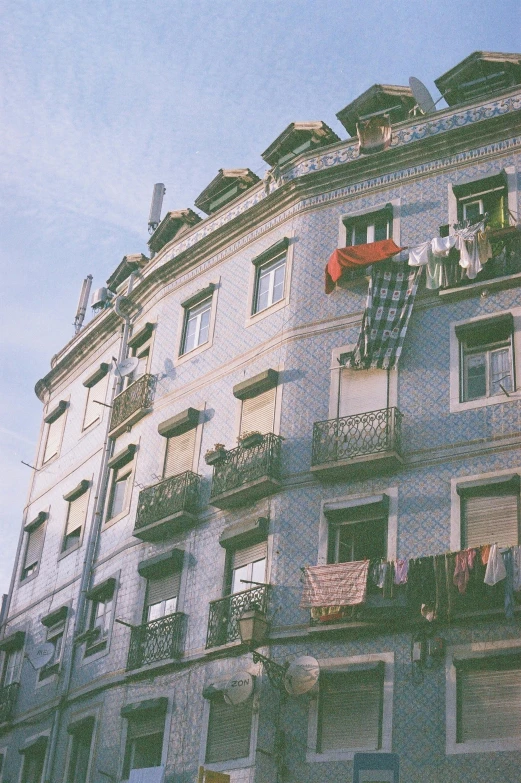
(339, 584)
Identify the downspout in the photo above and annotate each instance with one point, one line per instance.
(91, 548)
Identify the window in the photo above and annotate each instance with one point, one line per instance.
(350, 710)
(258, 413)
(96, 392)
(371, 227)
(487, 195)
(179, 453)
(196, 329)
(100, 615)
(486, 358)
(357, 532)
(144, 744)
(80, 750)
(229, 730)
(78, 501)
(269, 283)
(34, 546)
(162, 595)
(33, 763)
(140, 346)
(55, 421)
(12, 667)
(55, 624)
(248, 564)
(490, 511)
(122, 468)
(362, 391)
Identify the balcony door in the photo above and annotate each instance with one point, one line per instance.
(362, 391)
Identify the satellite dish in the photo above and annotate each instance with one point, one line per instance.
(301, 675)
(127, 366)
(41, 655)
(238, 688)
(422, 95)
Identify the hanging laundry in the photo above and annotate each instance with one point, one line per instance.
(401, 567)
(357, 256)
(338, 584)
(509, 584)
(390, 299)
(495, 567)
(442, 596)
(484, 246)
(420, 255)
(374, 134)
(485, 553)
(441, 246)
(421, 584)
(467, 244)
(464, 562)
(388, 587)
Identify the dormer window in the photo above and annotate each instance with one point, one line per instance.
(227, 185)
(478, 75)
(297, 138)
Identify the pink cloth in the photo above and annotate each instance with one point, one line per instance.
(464, 562)
(401, 569)
(338, 584)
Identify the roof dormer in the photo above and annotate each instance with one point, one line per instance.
(173, 223)
(129, 264)
(298, 137)
(227, 185)
(479, 74)
(379, 99)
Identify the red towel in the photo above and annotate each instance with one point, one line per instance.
(356, 256)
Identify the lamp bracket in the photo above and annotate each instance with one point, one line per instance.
(275, 671)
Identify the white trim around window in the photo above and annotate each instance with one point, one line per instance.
(351, 501)
(253, 318)
(180, 357)
(343, 664)
(396, 205)
(455, 356)
(475, 651)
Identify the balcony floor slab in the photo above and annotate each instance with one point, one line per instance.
(363, 465)
(166, 527)
(246, 493)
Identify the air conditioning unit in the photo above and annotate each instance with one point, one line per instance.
(100, 299)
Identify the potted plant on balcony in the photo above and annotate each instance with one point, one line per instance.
(215, 455)
(250, 439)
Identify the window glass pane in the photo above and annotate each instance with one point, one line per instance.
(476, 376)
(146, 751)
(500, 371)
(472, 210)
(263, 290)
(258, 571)
(197, 325)
(359, 234)
(190, 335)
(204, 327)
(359, 541)
(119, 492)
(278, 283)
(381, 229)
(154, 611)
(241, 573)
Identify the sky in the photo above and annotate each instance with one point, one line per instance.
(101, 99)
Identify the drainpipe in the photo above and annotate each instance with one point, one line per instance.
(91, 548)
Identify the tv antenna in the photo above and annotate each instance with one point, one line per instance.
(422, 96)
(154, 219)
(82, 304)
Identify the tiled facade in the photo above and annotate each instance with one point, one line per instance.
(298, 341)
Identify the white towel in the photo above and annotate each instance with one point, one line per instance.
(496, 570)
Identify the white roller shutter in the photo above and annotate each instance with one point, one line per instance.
(362, 391)
(163, 588)
(250, 554)
(491, 519)
(95, 394)
(34, 546)
(229, 731)
(489, 702)
(350, 709)
(77, 513)
(54, 436)
(179, 455)
(258, 413)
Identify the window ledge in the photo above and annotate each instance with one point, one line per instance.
(184, 357)
(496, 283)
(255, 317)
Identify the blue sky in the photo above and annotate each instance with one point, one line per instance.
(101, 99)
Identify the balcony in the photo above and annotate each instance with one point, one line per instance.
(8, 696)
(351, 445)
(246, 474)
(131, 404)
(498, 270)
(224, 613)
(167, 507)
(159, 640)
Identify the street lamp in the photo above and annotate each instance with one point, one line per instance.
(253, 628)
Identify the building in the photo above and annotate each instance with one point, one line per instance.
(149, 531)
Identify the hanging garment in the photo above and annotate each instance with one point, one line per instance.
(357, 256)
(374, 134)
(495, 567)
(516, 559)
(382, 573)
(441, 246)
(464, 562)
(421, 584)
(401, 568)
(467, 244)
(509, 584)
(338, 584)
(442, 597)
(420, 255)
(390, 299)
(388, 587)
(485, 553)
(451, 589)
(484, 247)
(434, 273)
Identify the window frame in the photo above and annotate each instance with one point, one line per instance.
(82, 489)
(209, 291)
(392, 205)
(96, 381)
(336, 380)
(58, 413)
(197, 310)
(280, 248)
(76, 729)
(134, 715)
(510, 176)
(338, 665)
(55, 631)
(98, 642)
(485, 348)
(124, 460)
(473, 653)
(456, 404)
(246, 761)
(32, 527)
(269, 269)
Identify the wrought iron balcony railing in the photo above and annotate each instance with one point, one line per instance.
(244, 466)
(135, 399)
(158, 640)
(361, 435)
(224, 613)
(166, 506)
(506, 260)
(8, 696)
